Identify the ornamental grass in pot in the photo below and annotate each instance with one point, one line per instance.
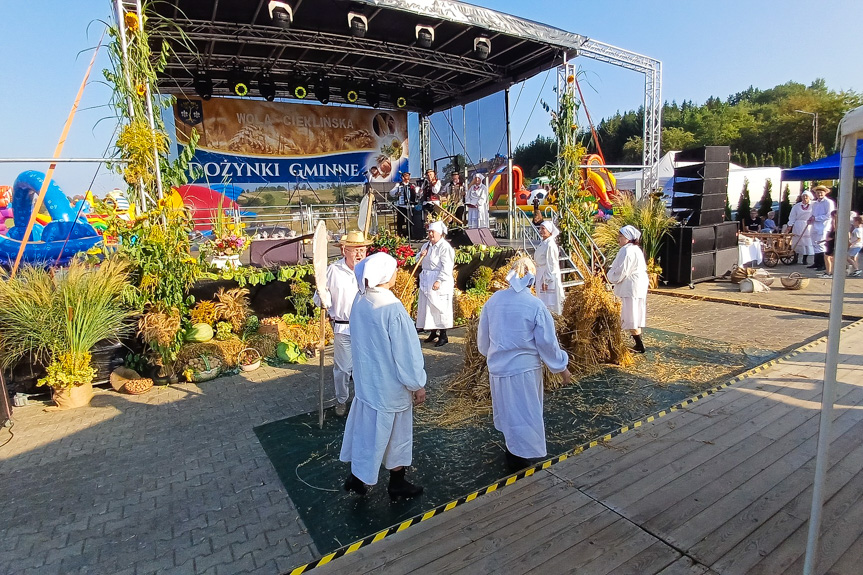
(58, 316)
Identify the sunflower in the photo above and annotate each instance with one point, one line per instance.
(570, 79)
(141, 89)
(132, 22)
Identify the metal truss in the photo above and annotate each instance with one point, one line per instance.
(652, 70)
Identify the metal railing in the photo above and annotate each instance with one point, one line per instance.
(526, 231)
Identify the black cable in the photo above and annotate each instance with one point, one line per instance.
(11, 435)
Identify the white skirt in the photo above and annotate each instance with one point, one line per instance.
(373, 437)
(633, 312)
(516, 403)
(437, 314)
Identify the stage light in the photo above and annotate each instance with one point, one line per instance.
(350, 92)
(281, 14)
(299, 87)
(203, 85)
(425, 36)
(238, 83)
(267, 87)
(401, 101)
(373, 94)
(481, 47)
(358, 24)
(322, 89)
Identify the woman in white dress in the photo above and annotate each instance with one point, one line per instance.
(800, 228)
(517, 336)
(628, 275)
(437, 285)
(476, 199)
(547, 257)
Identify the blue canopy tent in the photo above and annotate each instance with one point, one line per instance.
(825, 168)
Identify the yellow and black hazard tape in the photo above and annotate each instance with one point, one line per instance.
(755, 304)
(374, 538)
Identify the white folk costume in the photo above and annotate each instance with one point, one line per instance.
(476, 200)
(547, 259)
(798, 223)
(388, 368)
(342, 289)
(821, 210)
(434, 308)
(628, 275)
(516, 334)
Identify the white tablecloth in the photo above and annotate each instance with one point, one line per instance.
(747, 254)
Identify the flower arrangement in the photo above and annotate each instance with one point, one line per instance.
(231, 245)
(394, 245)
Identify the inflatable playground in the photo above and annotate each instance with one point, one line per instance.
(598, 185)
(65, 227)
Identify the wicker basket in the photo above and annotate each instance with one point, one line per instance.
(794, 281)
(138, 386)
(249, 366)
(129, 381)
(738, 274)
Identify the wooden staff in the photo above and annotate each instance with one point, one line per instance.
(413, 271)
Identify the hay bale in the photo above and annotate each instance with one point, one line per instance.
(593, 335)
(226, 350)
(406, 290)
(468, 305)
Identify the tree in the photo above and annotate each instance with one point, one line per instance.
(784, 207)
(533, 156)
(743, 205)
(766, 203)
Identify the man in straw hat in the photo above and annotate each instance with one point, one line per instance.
(389, 378)
(338, 299)
(437, 285)
(516, 334)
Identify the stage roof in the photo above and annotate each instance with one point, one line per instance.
(223, 34)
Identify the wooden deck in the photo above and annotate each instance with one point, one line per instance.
(723, 487)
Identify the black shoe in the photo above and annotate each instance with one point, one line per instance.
(353, 483)
(516, 463)
(443, 340)
(400, 487)
(639, 345)
(432, 336)
(813, 266)
(819, 268)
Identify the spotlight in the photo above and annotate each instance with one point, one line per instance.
(350, 92)
(481, 47)
(238, 83)
(401, 101)
(299, 89)
(373, 94)
(267, 87)
(203, 85)
(281, 14)
(358, 24)
(425, 36)
(322, 89)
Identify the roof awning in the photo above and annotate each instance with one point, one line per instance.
(223, 37)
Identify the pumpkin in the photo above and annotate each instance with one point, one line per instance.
(199, 333)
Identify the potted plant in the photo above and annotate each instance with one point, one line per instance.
(159, 327)
(227, 243)
(249, 359)
(59, 315)
(202, 368)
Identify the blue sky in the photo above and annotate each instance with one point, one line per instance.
(707, 48)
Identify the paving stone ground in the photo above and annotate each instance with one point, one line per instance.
(175, 481)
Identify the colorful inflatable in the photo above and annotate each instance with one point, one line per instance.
(54, 240)
(204, 203)
(599, 181)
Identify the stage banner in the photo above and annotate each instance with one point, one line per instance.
(258, 142)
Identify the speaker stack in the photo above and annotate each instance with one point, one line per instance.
(705, 246)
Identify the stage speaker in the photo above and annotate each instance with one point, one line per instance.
(726, 235)
(702, 187)
(698, 202)
(703, 171)
(473, 237)
(706, 217)
(725, 260)
(704, 154)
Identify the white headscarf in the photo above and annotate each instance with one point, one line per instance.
(630, 232)
(550, 228)
(522, 275)
(438, 226)
(809, 194)
(374, 270)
